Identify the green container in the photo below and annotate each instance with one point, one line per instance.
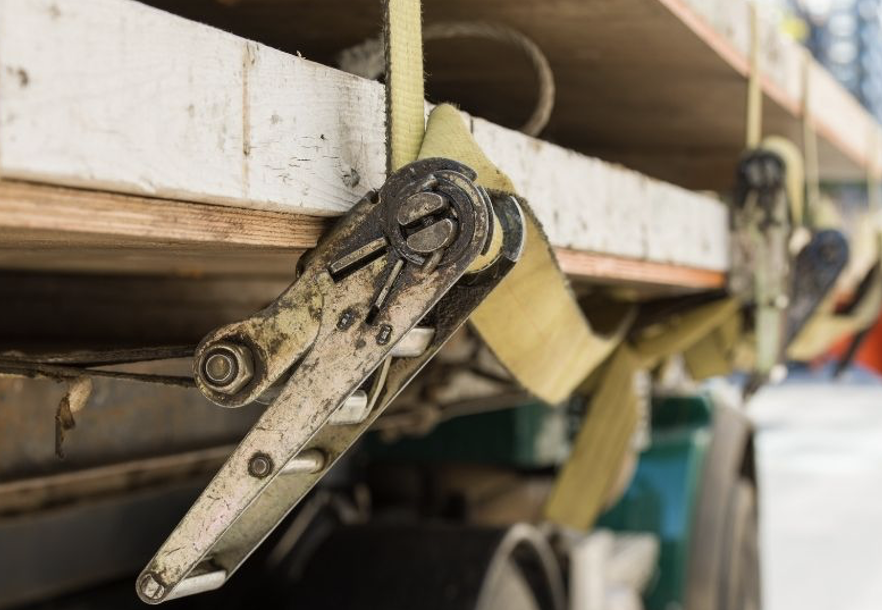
(532, 435)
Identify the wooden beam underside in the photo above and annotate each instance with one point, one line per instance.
(44, 227)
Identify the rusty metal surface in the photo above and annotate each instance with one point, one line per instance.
(342, 318)
(35, 493)
(122, 421)
(43, 552)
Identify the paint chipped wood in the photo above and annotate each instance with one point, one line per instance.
(164, 108)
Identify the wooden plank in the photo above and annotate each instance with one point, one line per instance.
(638, 81)
(162, 107)
(44, 227)
(587, 204)
(118, 220)
(586, 265)
(165, 107)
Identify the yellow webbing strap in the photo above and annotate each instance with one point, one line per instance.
(405, 105)
(873, 174)
(599, 451)
(794, 179)
(531, 321)
(754, 127)
(717, 353)
(793, 158)
(678, 333)
(810, 142)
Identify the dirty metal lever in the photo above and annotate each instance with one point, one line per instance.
(425, 249)
(815, 271)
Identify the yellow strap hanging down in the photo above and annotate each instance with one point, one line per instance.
(531, 321)
(810, 142)
(583, 487)
(754, 126)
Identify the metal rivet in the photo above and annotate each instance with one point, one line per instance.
(346, 319)
(384, 335)
(260, 465)
(150, 588)
(220, 368)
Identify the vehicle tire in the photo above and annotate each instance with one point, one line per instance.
(739, 586)
(723, 570)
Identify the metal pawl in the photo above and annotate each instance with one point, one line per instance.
(815, 272)
(401, 257)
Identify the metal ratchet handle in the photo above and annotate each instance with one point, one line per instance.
(268, 510)
(376, 275)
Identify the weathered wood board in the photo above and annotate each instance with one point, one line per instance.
(161, 107)
(659, 85)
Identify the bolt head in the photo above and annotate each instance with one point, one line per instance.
(260, 465)
(346, 319)
(384, 335)
(226, 367)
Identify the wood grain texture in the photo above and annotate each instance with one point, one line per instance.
(125, 220)
(163, 107)
(44, 227)
(63, 229)
(594, 267)
(639, 82)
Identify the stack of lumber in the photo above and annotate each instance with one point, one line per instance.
(133, 140)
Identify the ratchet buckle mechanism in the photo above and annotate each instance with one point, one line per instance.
(790, 277)
(762, 213)
(374, 302)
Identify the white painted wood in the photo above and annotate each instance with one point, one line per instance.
(588, 204)
(118, 95)
(113, 95)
